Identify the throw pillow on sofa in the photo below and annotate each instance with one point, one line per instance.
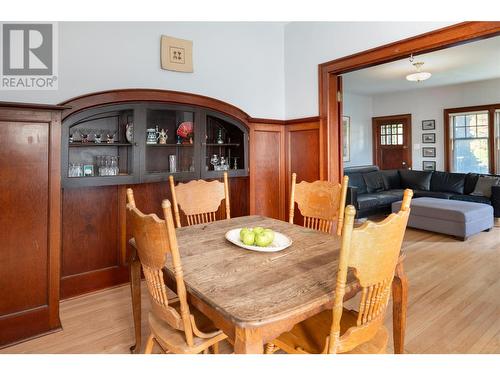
(484, 185)
(374, 181)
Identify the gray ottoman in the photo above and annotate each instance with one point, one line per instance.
(456, 218)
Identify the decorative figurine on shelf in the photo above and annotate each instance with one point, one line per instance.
(98, 136)
(185, 131)
(111, 136)
(71, 137)
(129, 132)
(235, 165)
(151, 136)
(179, 140)
(162, 137)
(219, 137)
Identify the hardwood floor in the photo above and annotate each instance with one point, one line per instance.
(454, 304)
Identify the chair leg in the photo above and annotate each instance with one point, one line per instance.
(149, 345)
(269, 348)
(215, 348)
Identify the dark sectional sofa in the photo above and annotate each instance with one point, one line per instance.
(372, 191)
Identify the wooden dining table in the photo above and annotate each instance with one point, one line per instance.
(255, 296)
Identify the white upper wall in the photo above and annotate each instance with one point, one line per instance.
(359, 109)
(241, 63)
(308, 44)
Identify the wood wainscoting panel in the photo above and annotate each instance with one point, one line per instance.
(303, 157)
(30, 220)
(267, 170)
(91, 256)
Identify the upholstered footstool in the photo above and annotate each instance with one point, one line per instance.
(456, 218)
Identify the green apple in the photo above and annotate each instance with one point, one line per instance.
(244, 231)
(258, 230)
(265, 238)
(270, 232)
(248, 238)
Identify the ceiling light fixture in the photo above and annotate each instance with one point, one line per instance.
(419, 75)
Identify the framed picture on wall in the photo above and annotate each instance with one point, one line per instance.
(346, 127)
(429, 138)
(429, 125)
(428, 165)
(428, 152)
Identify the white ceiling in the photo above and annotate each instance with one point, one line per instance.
(470, 62)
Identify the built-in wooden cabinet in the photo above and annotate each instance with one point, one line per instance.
(30, 137)
(141, 143)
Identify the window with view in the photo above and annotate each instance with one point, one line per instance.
(470, 142)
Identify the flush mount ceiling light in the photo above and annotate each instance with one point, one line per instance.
(419, 75)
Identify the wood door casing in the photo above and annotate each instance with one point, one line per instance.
(386, 154)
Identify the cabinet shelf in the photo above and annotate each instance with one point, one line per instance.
(222, 144)
(170, 145)
(92, 144)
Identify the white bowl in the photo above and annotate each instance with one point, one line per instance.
(280, 242)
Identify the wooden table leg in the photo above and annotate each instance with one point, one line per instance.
(399, 307)
(248, 341)
(135, 289)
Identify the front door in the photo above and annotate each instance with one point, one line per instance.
(392, 141)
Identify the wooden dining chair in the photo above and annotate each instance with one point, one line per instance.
(175, 326)
(200, 200)
(322, 203)
(372, 251)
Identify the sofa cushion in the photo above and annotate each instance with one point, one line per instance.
(391, 179)
(432, 194)
(360, 169)
(448, 182)
(386, 198)
(416, 180)
(484, 184)
(356, 180)
(470, 198)
(470, 182)
(367, 201)
(374, 181)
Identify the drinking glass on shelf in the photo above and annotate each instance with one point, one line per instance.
(75, 170)
(114, 166)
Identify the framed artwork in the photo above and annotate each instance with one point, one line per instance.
(428, 165)
(428, 152)
(176, 54)
(429, 138)
(346, 126)
(429, 125)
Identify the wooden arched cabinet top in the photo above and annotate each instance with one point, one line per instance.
(96, 99)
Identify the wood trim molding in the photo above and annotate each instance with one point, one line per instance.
(130, 95)
(493, 168)
(328, 73)
(283, 122)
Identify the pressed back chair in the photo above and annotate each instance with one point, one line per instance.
(200, 200)
(372, 251)
(175, 326)
(322, 203)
